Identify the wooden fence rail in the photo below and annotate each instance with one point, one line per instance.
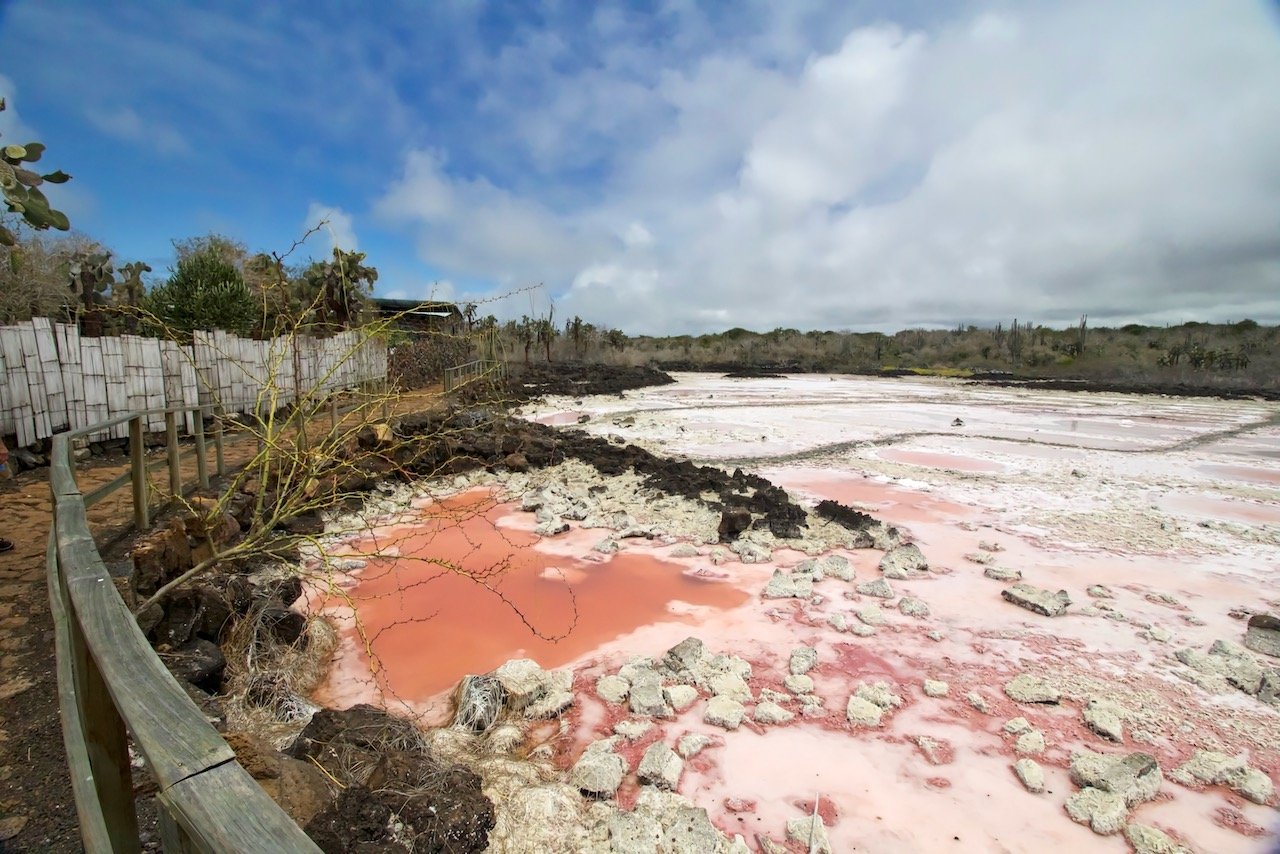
(471, 371)
(111, 684)
(52, 380)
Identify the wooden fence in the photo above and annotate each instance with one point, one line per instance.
(112, 685)
(52, 380)
(471, 371)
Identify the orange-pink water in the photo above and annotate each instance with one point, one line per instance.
(461, 594)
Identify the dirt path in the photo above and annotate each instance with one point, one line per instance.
(37, 810)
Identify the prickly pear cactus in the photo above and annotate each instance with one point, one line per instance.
(91, 275)
(21, 188)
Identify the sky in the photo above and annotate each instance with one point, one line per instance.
(674, 167)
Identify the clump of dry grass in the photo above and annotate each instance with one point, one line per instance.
(268, 681)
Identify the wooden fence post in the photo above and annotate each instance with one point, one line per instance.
(202, 468)
(171, 445)
(138, 474)
(219, 461)
(333, 413)
(106, 743)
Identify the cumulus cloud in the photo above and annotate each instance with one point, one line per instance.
(337, 227)
(1039, 162)
(475, 228)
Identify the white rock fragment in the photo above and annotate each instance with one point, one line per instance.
(647, 697)
(979, 702)
(680, 697)
(553, 704)
(729, 685)
(1027, 688)
(692, 744)
(879, 588)
(903, 561)
(1104, 812)
(523, 681)
(936, 688)
(599, 772)
(810, 833)
(771, 713)
(1134, 778)
(1213, 768)
(1030, 743)
(1017, 726)
(802, 660)
(913, 607)
(881, 693)
(837, 566)
(633, 730)
(660, 766)
(1104, 718)
(1030, 774)
(871, 615)
(724, 712)
(1037, 600)
(1146, 839)
(863, 712)
(784, 586)
(798, 684)
(612, 689)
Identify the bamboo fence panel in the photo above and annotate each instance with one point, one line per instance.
(52, 379)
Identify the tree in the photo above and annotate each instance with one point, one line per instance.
(33, 280)
(575, 329)
(525, 335)
(226, 248)
(204, 291)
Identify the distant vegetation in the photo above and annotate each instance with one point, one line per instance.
(1240, 355)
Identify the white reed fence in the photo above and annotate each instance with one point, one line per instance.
(52, 380)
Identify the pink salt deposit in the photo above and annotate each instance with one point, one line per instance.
(1133, 503)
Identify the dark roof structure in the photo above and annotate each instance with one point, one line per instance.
(419, 314)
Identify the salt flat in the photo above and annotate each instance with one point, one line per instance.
(1158, 517)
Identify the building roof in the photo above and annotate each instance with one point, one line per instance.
(428, 308)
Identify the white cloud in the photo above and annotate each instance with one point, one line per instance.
(474, 228)
(125, 124)
(11, 125)
(337, 227)
(1039, 162)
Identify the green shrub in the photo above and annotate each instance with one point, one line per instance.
(204, 291)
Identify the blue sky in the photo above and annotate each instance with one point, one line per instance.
(674, 166)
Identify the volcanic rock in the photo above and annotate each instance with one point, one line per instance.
(1263, 634)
